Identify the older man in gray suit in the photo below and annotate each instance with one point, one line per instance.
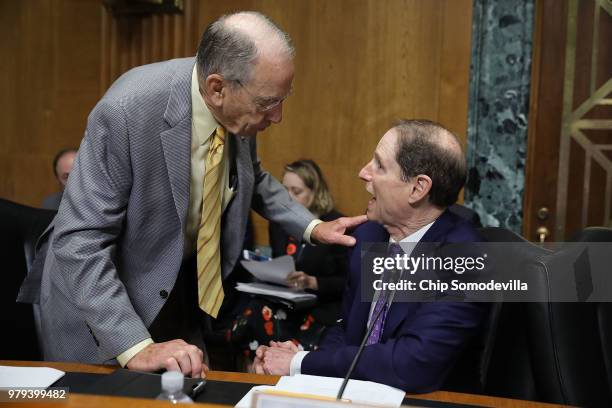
(168, 169)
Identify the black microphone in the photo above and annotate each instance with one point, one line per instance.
(361, 346)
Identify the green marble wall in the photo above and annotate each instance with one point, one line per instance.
(498, 109)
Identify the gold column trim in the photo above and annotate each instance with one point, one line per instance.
(573, 122)
(568, 96)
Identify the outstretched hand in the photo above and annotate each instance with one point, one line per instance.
(333, 232)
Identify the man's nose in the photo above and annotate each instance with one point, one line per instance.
(364, 173)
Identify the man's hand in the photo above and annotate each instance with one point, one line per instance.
(332, 232)
(173, 355)
(277, 360)
(287, 345)
(258, 361)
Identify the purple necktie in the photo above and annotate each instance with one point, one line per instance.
(380, 309)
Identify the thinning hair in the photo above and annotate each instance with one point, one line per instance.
(312, 177)
(59, 155)
(428, 148)
(231, 50)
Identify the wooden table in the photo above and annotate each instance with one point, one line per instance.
(95, 401)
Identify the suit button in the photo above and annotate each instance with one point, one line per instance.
(163, 294)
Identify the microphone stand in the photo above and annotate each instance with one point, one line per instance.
(361, 346)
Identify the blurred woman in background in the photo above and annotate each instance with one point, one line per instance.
(320, 270)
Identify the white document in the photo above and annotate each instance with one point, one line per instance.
(245, 402)
(275, 270)
(19, 377)
(258, 288)
(363, 392)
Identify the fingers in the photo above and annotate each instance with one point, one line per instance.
(345, 240)
(172, 365)
(333, 232)
(195, 359)
(294, 275)
(184, 362)
(173, 355)
(352, 222)
(287, 345)
(297, 279)
(277, 361)
(261, 350)
(258, 366)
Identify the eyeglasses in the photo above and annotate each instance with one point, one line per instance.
(263, 104)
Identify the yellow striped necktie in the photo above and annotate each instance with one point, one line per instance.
(210, 287)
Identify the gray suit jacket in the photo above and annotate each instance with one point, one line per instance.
(118, 236)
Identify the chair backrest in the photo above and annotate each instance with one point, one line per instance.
(20, 227)
(593, 234)
(571, 342)
(509, 372)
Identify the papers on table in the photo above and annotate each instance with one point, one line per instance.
(20, 377)
(364, 392)
(265, 289)
(245, 402)
(274, 270)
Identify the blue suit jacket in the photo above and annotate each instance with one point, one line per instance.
(420, 341)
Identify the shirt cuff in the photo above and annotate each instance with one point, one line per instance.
(127, 355)
(309, 229)
(296, 363)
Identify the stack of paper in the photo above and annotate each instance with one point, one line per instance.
(257, 288)
(364, 392)
(19, 377)
(274, 271)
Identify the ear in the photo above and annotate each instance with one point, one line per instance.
(213, 89)
(420, 188)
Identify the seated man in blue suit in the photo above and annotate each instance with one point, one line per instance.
(416, 173)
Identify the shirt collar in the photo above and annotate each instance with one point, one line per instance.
(415, 236)
(203, 121)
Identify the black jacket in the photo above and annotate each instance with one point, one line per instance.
(329, 263)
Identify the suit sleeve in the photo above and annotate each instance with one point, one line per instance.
(88, 227)
(417, 360)
(272, 201)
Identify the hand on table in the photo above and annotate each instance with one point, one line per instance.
(173, 355)
(276, 359)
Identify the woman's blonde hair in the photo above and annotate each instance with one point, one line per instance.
(310, 173)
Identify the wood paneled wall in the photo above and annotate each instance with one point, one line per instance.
(360, 65)
(49, 81)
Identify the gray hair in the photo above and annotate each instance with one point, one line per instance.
(230, 51)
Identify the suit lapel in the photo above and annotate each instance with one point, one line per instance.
(176, 141)
(235, 216)
(244, 169)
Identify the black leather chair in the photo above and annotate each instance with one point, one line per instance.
(497, 360)
(509, 372)
(466, 213)
(571, 343)
(20, 227)
(593, 234)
